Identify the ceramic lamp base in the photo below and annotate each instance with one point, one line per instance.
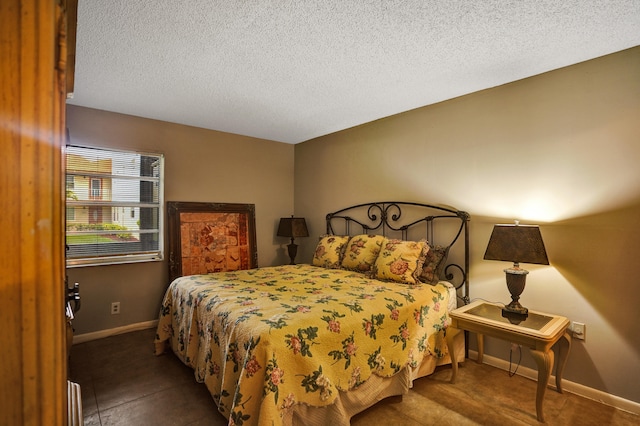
(516, 279)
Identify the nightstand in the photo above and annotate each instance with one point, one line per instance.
(538, 331)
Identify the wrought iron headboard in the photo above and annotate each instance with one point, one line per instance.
(386, 218)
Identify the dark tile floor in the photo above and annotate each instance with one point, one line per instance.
(124, 383)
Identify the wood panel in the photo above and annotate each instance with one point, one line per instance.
(34, 364)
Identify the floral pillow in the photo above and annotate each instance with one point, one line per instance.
(401, 261)
(434, 264)
(329, 251)
(361, 252)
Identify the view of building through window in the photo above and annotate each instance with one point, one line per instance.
(114, 206)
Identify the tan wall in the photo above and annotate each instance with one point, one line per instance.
(560, 150)
(200, 165)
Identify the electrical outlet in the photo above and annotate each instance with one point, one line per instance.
(115, 308)
(579, 330)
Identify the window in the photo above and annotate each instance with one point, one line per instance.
(71, 213)
(96, 184)
(101, 185)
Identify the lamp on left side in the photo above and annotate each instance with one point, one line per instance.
(292, 227)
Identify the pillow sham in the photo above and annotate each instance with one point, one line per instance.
(400, 261)
(329, 251)
(434, 264)
(361, 252)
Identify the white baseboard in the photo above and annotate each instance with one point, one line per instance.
(575, 388)
(81, 338)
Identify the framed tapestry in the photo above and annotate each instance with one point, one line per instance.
(210, 237)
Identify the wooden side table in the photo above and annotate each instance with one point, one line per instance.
(539, 332)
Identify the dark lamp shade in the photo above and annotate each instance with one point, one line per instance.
(292, 227)
(517, 243)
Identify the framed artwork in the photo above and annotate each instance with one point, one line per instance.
(210, 237)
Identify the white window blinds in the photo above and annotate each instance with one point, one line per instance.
(114, 206)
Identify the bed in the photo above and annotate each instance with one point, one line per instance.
(317, 343)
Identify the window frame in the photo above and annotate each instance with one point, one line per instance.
(92, 202)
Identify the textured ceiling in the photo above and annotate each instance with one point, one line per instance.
(291, 70)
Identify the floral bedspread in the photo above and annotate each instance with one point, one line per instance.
(265, 339)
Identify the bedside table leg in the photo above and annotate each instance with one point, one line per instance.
(564, 346)
(480, 339)
(451, 334)
(544, 360)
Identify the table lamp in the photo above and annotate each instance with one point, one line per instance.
(518, 244)
(292, 227)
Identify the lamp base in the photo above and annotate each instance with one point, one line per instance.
(293, 251)
(516, 279)
(514, 308)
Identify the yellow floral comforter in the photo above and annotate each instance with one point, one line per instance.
(265, 339)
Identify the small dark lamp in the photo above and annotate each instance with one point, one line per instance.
(518, 244)
(292, 227)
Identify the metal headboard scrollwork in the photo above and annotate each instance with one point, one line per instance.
(408, 220)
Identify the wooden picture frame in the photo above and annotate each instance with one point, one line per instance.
(210, 237)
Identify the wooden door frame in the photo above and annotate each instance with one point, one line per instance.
(33, 371)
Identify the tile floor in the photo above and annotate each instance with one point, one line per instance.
(124, 383)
